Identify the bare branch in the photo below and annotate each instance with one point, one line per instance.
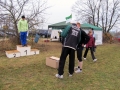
(34, 11)
(103, 13)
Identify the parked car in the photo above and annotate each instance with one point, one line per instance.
(117, 38)
(32, 33)
(44, 33)
(2, 34)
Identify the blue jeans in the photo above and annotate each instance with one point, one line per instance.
(23, 38)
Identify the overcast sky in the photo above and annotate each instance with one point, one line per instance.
(59, 10)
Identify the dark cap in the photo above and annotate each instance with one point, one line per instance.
(23, 16)
(92, 29)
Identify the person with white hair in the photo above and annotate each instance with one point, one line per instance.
(71, 36)
(84, 40)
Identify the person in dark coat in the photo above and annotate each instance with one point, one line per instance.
(71, 36)
(90, 45)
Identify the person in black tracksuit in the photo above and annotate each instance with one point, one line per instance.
(84, 40)
(71, 36)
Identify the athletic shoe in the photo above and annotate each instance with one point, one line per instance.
(59, 76)
(25, 45)
(76, 68)
(70, 75)
(84, 58)
(94, 60)
(78, 71)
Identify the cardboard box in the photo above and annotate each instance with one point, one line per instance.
(52, 61)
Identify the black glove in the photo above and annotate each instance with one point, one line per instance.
(95, 46)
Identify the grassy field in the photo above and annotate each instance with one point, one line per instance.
(31, 73)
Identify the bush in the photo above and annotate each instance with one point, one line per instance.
(107, 38)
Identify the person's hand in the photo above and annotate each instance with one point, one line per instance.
(83, 45)
(95, 46)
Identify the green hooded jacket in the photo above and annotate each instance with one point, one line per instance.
(65, 31)
(22, 25)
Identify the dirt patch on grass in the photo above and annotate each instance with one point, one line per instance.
(47, 46)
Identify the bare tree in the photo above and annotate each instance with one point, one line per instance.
(33, 10)
(103, 13)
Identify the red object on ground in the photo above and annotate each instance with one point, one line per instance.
(46, 40)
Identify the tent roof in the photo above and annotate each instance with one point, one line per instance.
(62, 25)
(88, 26)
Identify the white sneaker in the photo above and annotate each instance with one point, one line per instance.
(76, 68)
(70, 75)
(94, 60)
(78, 71)
(84, 58)
(59, 76)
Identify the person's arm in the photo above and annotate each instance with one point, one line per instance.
(85, 36)
(93, 42)
(65, 31)
(26, 25)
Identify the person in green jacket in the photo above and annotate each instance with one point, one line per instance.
(22, 29)
(72, 36)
